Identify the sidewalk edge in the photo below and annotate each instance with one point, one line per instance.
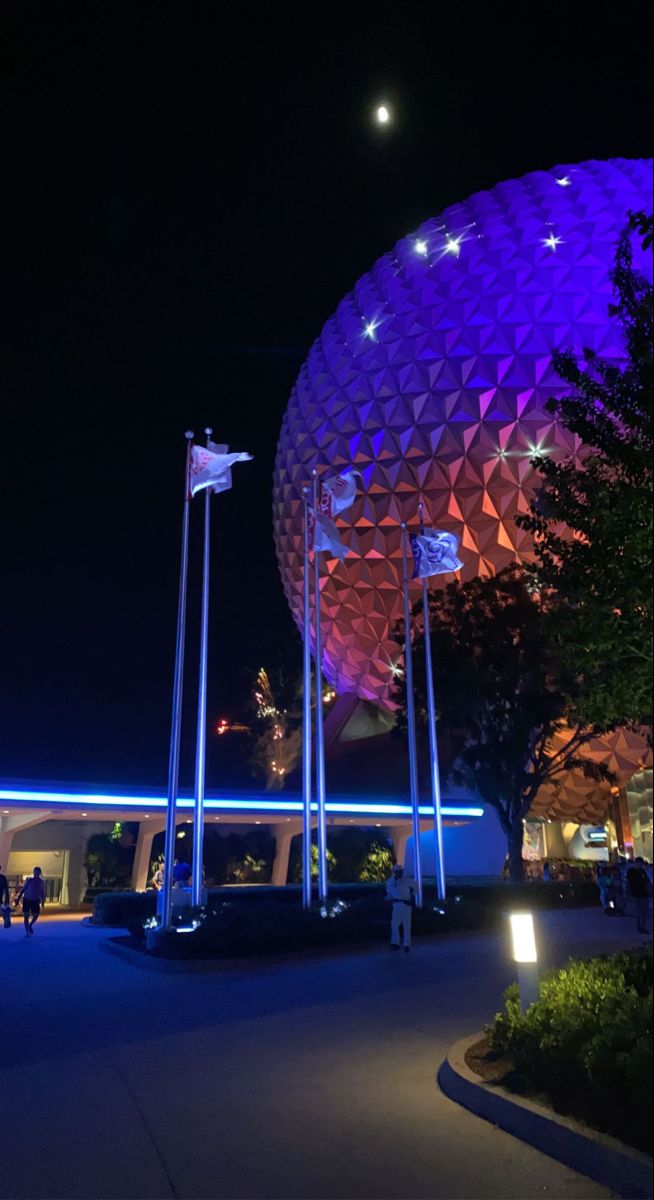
(604, 1159)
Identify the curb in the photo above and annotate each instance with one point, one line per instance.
(604, 1159)
(148, 962)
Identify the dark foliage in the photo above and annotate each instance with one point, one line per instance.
(603, 573)
(587, 1043)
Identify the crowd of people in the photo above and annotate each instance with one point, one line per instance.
(626, 887)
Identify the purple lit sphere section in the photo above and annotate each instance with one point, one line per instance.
(432, 377)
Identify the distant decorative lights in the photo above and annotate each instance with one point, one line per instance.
(552, 241)
(421, 247)
(370, 330)
(564, 181)
(453, 245)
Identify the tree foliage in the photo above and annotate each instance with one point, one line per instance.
(108, 858)
(593, 521)
(500, 690)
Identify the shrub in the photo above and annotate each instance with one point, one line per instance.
(532, 895)
(482, 904)
(116, 908)
(588, 1042)
(236, 927)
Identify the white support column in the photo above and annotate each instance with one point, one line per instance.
(283, 835)
(400, 835)
(13, 824)
(143, 852)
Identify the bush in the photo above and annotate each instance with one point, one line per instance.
(117, 908)
(482, 903)
(237, 927)
(587, 1043)
(532, 896)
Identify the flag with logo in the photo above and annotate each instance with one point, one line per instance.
(324, 535)
(435, 552)
(339, 492)
(211, 467)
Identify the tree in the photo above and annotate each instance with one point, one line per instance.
(593, 521)
(500, 693)
(108, 857)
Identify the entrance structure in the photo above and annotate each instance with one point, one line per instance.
(58, 820)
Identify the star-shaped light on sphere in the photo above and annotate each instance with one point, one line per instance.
(564, 181)
(421, 247)
(453, 245)
(552, 241)
(370, 329)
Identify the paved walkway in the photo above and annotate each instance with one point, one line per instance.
(309, 1078)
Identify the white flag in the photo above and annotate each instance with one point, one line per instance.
(325, 536)
(434, 553)
(210, 467)
(338, 492)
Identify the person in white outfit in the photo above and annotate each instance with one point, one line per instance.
(400, 891)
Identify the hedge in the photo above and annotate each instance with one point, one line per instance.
(236, 928)
(587, 1043)
(118, 908)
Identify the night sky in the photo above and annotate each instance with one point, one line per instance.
(188, 190)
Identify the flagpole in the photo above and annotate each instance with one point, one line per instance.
(433, 739)
(320, 731)
(201, 735)
(178, 684)
(306, 718)
(411, 722)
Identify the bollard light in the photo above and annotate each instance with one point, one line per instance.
(524, 940)
(526, 957)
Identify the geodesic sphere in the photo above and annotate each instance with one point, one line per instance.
(431, 379)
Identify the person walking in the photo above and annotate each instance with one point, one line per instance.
(400, 892)
(32, 894)
(639, 889)
(606, 889)
(5, 906)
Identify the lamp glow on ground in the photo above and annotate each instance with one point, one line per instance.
(525, 955)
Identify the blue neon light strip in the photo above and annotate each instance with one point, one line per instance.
(236, 804)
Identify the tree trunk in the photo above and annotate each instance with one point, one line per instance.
(515, 840)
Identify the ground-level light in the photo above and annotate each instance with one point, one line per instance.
(525, 955)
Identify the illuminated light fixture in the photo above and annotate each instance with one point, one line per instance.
(234, 803)
(552, 241)
(421, 247)
(564, 181)
(453, 245)
(524, 940)
(526, 957)
(383, 114)
(396, 671)
(370, 329)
